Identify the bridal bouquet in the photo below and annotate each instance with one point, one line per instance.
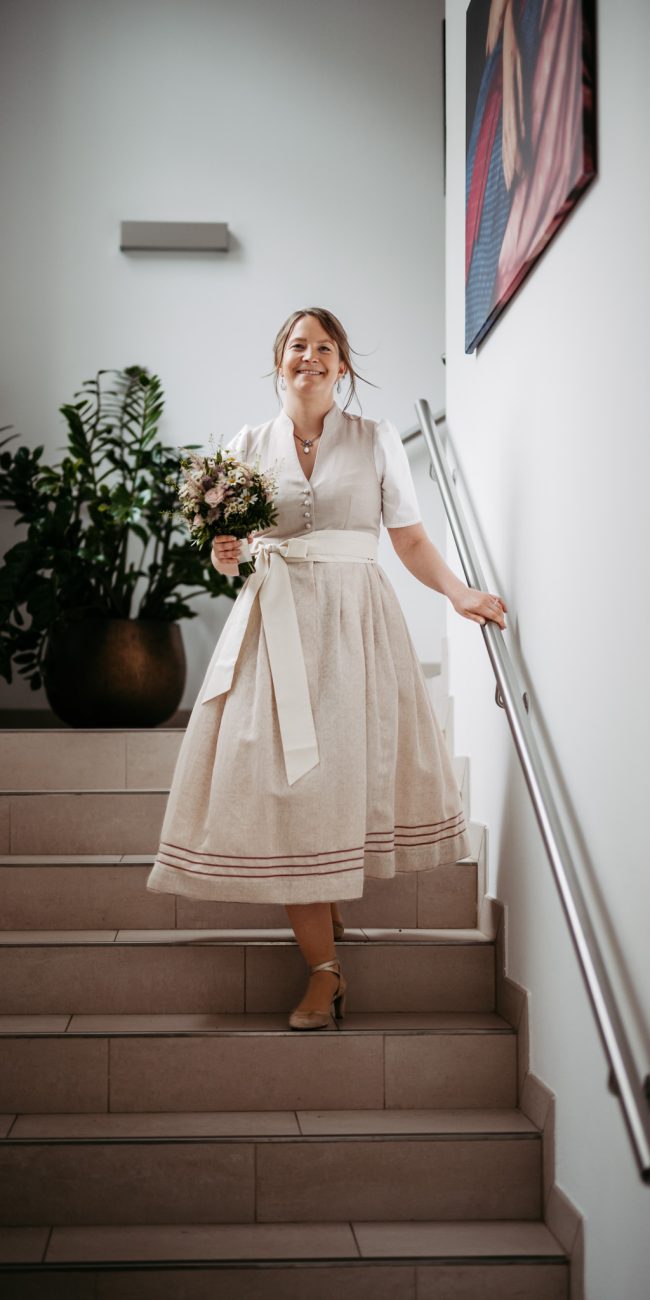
(219, 494)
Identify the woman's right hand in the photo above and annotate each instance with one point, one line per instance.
(225, 554)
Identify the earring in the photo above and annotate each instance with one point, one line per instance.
(338, 386)
(283, 382)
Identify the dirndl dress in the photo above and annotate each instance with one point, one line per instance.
(313, 756)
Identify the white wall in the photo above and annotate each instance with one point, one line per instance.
(550, 424)
(315, 131)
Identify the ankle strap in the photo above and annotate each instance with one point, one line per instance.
(327, 965)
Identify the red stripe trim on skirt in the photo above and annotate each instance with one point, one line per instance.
(224, 859)
(174, 856)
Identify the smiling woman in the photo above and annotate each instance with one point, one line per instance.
(313, 757)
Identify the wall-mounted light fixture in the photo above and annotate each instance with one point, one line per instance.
(174, 236)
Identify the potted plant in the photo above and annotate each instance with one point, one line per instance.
(91, 598)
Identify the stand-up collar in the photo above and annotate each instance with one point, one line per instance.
(332, 417)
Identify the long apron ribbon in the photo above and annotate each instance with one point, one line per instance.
(272, 582)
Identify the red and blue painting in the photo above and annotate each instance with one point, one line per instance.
(531, 140)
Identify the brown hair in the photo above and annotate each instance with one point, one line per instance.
(333, 327)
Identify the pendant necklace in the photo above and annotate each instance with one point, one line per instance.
(307, 443)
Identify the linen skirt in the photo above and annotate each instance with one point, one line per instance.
(383, 797)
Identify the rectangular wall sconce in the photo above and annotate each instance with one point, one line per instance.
(174, 236)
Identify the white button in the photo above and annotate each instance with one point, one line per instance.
(307, 514)
(307, 525)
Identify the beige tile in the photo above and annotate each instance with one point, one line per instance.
(420, 977)
(199, 913)
(414, 1021)
(311, 1070)
(22, 1245)
(151, 758)
(6, 1122)
(86, 822)
(275, 978)
(523, 1048)
(53, 1074)
(59, 859)
(384, 902)
(488, 1237)
(387, 977)
(564, 1219)
(33, 1024)
(271, 1022)
(492, 1281)
(252, 1123)
(422, 935)
(536, 1099)
(327, 1123)
(238, 1241)
(65, 1284)
(5, 823)
(90, 1183)
(577, 1266)
(446, 895)
(456, 1069)
(510, 999)
(296, 1282)
(93, 895)
(121, 978)
(196, 936)
(62, 760)
(418, 1178)
(548, 1160)
(31, 938)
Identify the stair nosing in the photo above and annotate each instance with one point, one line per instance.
(249, 938)
(555, 1255)
(255, 1139)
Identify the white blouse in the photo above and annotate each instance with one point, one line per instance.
(399, 503)
(352, 454)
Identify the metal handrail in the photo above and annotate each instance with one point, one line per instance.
(624, 1081)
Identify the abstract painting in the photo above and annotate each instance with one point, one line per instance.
(530, 144)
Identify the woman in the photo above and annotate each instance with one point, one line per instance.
(313, 756)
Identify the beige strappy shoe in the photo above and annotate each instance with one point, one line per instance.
(321, 1019)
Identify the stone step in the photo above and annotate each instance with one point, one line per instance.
(105, 759)
(104, 821)
(352, 1260)
(143, 971)
(79, 759)
(483, 1165)
(84, 892)
(99, 1064)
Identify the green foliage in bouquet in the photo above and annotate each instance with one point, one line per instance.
(98, 522)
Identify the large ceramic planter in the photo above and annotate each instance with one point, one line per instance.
(114, 672)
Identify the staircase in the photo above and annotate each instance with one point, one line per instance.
(164, 1134)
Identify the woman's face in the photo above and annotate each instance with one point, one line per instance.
(311, 362)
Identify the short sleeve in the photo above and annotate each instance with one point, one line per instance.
(239, 444)
(399, 503)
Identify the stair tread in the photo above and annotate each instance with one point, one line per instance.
(455, 1240)
(108, 859)
(35, 938)
(415, 1022)
(261, 1125)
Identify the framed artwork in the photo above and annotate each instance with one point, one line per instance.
(531, 140)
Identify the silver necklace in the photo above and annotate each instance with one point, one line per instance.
(307, 443)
